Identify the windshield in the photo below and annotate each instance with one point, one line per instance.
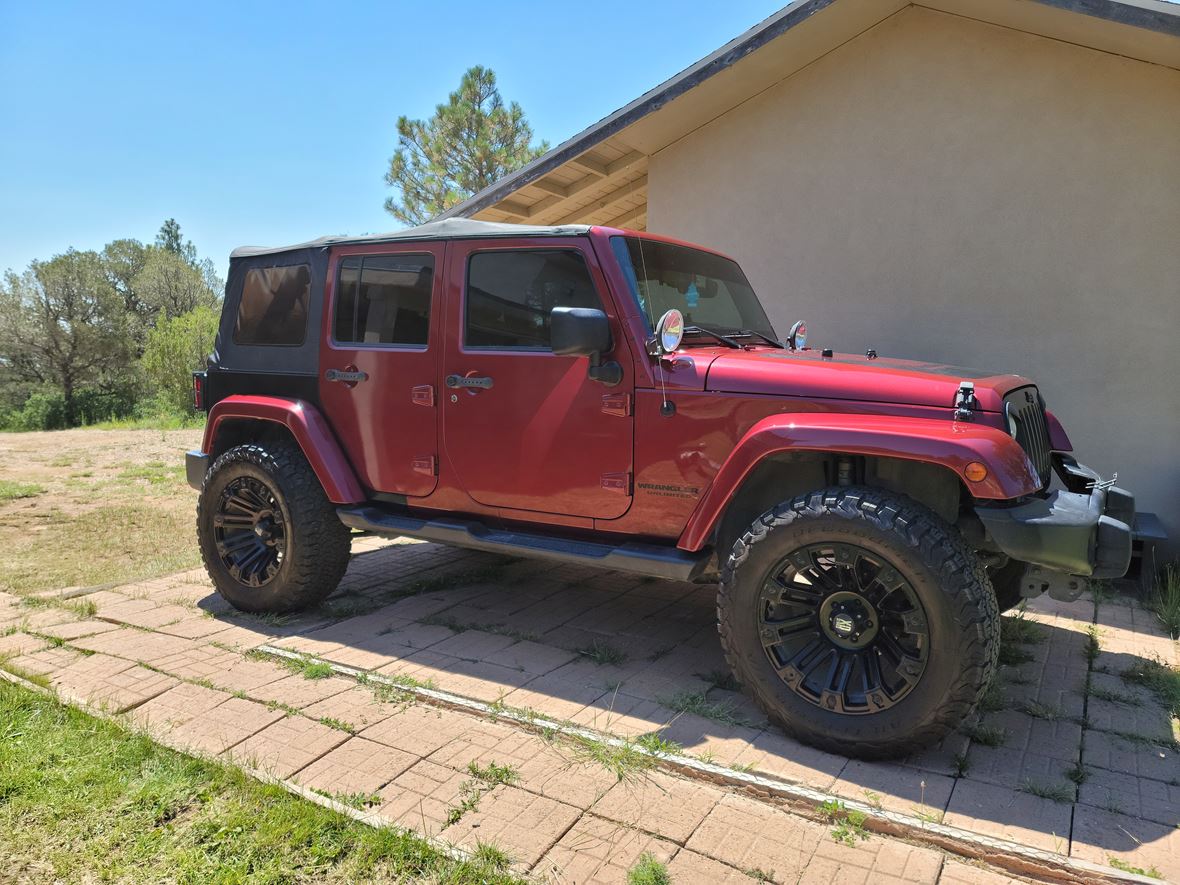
(711, 291)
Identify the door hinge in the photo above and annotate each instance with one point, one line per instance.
(427, 465)
(617, 482)
(618, 404)
(422, 395)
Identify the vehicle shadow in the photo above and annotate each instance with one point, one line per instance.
(1068, 747)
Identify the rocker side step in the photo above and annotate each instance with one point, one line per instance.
(641, 559)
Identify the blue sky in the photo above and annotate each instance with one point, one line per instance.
(268, 123)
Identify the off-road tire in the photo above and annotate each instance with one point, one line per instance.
(317, 542)
(1006, 581)
(947, 578)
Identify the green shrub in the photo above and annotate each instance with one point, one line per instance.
(175, 349)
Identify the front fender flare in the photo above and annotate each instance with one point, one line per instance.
(950, 444)
(308, 427)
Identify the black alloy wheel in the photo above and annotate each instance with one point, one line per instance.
(249, 531)
(843, 628)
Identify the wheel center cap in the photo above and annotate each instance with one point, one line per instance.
(849, 620)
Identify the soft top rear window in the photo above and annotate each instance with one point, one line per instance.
(273, 309)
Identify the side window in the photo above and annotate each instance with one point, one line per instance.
(273, 309)
(510, 295)
(383, 299)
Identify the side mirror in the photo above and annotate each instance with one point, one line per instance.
(578, 331)
(797, 337)
(583, 331)
(669, 332)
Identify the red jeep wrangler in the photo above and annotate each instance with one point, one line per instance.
(598, 396)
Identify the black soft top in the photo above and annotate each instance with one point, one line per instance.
(447, 229)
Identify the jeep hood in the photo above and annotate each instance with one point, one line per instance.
(807, 374)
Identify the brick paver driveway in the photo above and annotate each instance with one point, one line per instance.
(533, 666)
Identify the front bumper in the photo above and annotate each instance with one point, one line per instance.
(196, 464)
(1084, 530)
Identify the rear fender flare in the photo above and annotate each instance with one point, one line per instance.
(949, 444)
(310, 431)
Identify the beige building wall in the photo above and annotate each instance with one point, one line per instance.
(944, 189)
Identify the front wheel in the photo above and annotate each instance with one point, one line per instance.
(859, 620)
(269, 536)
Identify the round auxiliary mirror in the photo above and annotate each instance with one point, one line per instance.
(669, 331)
(797, 339)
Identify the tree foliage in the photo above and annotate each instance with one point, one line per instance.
(169, 286)
(177, 347)
(62, 323)
(471, 141)
(73, 331)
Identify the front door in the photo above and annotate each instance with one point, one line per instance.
(378, 363)
(522, 428)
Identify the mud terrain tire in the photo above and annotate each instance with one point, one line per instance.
(945, 591)
(290, 513)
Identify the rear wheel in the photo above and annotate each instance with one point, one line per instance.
(269, 536)
(859, 621)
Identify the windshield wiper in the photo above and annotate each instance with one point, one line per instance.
(771, 341)
(722, 338)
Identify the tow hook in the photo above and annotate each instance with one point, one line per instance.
(965, 401)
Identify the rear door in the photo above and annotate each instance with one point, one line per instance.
(378, 363)
(529, 430)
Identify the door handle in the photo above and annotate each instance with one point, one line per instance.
(455, 381)
(347, 376)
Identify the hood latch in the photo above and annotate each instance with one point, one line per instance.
(965, 401)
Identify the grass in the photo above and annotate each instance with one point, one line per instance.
(359, 801)
(654, 743)
(848, 825)
(698, 704)
(993, 700)
(108, 544)
(1056, 792)
(1037, 710)
(85, 800)
(40, 679)
(1158, 678)
(987, 735)
(11, 491)
(1093, 646)
(722, 679)
(602, 653)
(483, 779)
(456, 626)
(962, 764)
(625, 760)
(1110, 696)
(1118, 864)
(1019, 630)
(648, 871)
(300, 666)
(1165, 599)
(1012, 655)
(338, 724)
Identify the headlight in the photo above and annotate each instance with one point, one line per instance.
(1010, 419)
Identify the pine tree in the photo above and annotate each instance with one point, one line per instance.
(471, 141)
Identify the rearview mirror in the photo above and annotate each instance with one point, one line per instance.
(578, 331)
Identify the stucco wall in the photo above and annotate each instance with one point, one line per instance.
(945, 189)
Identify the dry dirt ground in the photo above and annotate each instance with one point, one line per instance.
(84, 507)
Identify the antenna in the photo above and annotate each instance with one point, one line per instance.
(666, 408)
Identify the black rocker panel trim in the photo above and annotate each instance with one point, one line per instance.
(643, 559)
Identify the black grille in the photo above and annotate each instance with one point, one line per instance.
(1025, 409)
